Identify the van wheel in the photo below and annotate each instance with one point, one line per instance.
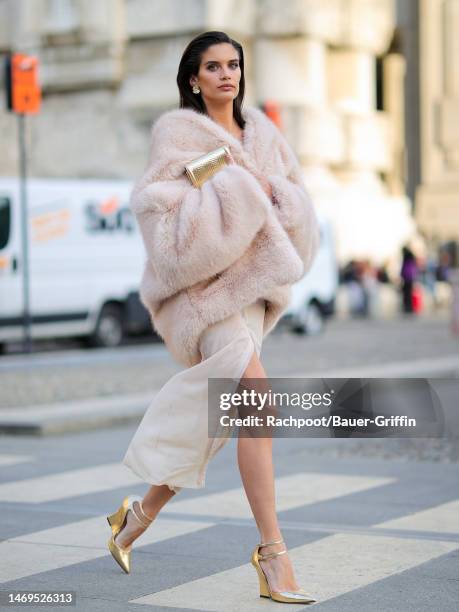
(109, 330)
(310, 320)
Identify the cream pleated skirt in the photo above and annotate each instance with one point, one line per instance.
(171, 446)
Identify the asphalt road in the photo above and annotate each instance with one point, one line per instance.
(371, 524)
(372, 533)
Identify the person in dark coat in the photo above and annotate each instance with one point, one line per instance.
(408, 274)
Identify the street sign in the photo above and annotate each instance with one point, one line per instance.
(23, 97)
(23, 89)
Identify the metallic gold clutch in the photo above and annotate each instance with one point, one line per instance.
(202, 168)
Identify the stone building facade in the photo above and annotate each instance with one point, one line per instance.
(108, 68)
(437, 198)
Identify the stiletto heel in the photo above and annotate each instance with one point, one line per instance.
(117, 521)
(299, 596)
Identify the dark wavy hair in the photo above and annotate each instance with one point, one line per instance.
(189, 66)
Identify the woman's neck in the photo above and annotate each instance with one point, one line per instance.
(224, 117)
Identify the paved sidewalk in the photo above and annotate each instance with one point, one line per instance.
(97, 412)
(51, 393)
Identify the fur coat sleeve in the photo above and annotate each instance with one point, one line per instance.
(190, 233)
(293, 205)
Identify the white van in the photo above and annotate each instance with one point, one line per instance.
(314, 296)
(85, 261)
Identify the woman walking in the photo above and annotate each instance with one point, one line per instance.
(221, 258)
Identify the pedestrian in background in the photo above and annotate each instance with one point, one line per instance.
(408, 274)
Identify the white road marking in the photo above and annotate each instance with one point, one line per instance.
(77, 542)
(442, 519)
(326, 568)
(291, 492)
(72, 483)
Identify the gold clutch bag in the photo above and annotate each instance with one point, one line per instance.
(202, 168)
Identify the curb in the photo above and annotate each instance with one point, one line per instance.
(66, 417)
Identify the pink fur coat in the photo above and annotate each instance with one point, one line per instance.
(213, 250)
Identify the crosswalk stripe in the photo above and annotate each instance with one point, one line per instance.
(85, 540)
(442, 519)
(358, 559)
(72, 483)
(330, 566)
(6, 459)
(291, 492)
(77, 542)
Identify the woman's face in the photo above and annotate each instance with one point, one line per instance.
(219, 65)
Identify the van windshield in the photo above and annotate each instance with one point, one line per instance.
(5, 221)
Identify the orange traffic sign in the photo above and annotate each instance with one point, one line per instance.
(25, 90)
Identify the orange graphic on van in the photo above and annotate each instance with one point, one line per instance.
(49, 225)
(109, 206)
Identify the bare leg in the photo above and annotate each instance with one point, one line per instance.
(155, 498)
(257, 473)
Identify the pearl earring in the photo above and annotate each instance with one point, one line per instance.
(196, 89)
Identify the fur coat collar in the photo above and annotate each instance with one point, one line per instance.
(214, 250)
(181, 135)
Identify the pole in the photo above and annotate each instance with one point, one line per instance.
(24, 235)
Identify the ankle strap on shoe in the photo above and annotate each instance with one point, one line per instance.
(272, 542)
(270, 555)
(145, 515)
(140, 519)
(273, 554)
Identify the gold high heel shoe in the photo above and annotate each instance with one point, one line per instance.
(117, 521)
(299, 596)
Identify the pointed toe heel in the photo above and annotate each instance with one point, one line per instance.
(298, 596)
(117, 521)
